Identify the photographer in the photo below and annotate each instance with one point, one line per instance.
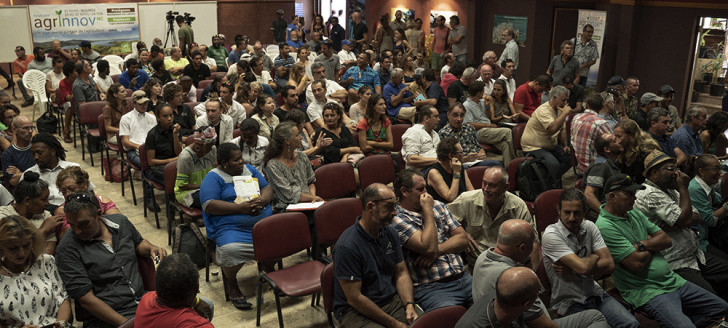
(185, 33)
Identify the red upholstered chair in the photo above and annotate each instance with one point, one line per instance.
(272, 244)
(513, 173)
(546, 208)
(115, 77)
(221, 74)
(376, 168)
(144, 161)
(333, 218)
(202, 85)
(517, 134)
(445, 317)
(129, 92)
(327, 289)
(146, 270)
(88, 113)
(192, 105)
(170, 177)
(543, 277)
(335, 180)
(724, 187)
(475, 174)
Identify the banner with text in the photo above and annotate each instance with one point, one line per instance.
(111, 28)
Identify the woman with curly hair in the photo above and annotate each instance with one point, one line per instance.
(247, 95)
(153, 89)
(73, 179)
(636, 145)
(376, 136)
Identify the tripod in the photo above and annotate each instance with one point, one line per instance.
(170, 33)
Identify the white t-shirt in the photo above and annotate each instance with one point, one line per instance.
(104, 84)
(136, 125)
(54, 78)
(346, 56)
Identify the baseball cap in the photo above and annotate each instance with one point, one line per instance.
(418, 72)
(84, 43)
(649, 97)
(345, 42)
(139, 97)
(655, 158)
(666, 89)
(615, 80)
(621, 182)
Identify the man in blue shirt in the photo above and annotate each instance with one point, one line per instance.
(398, 97)
(133, 78)
(283, 64)
(359, 75)
(687, 137)
(373, 284)
(435, 95)
(658, 121)
(239, 50)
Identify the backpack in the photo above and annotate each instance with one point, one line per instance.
(47, 123)
(188, 239)
(533, 178)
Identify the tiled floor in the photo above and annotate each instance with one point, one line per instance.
(297, 312)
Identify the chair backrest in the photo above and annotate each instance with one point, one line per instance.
(327, 287)
(129, 102)
(192, 104)
(203, 84)
(146, 270)
(545, 208)
(512, 173)
(221, 74)
(115, 76)
(113, 59)
(35, 81)
(517, 134)
(397, 131)
(376, 168)
(272, 48)
(102, 126)
(128, 324)
(129, 92)
(143, 158)
(335, 180)
(543, 277)
(170, 177)
(334, 217)
(273, 243)
(475, 175)
(88, 113)
(445, 317)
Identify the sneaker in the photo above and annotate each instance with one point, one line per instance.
(28, 102)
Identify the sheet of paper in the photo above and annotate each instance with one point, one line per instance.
(304, 206)
(473, 162)
(246, 188)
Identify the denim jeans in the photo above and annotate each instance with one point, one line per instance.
(615, 313)
(133, 157)
(440, 294)
(557, 161)
(689, 306)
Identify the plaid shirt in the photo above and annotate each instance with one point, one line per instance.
(584, 129)
(407, 223)
(466, 137)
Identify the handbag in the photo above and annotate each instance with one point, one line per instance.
(47, 123)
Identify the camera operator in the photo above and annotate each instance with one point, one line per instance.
(186, 35)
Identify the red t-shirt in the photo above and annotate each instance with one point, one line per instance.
(530, 99)
(64, 88)
(150, 314)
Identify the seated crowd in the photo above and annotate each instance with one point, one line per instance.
(247, 131)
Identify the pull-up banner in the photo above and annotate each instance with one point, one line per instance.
(108, 27)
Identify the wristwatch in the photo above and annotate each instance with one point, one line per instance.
(456, 176)
(641, 247)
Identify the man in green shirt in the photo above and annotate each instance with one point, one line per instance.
(642, 275)
(186, 35)
(219, 53)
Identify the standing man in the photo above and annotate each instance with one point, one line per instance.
(509, 68)
(642, 275)
(564, 64)
(186, 36)
(219, 53)
(439, 43)
(279, 27)
(511, 51)
(330, 60)
(574, 255)
(337, 34)
(586, 52)
(398, 22)
(584, 129)
(433, 241)
(456, 40)
(629, 96)
(360, 30)
(687, 137)
(373, 283)
(133, 78)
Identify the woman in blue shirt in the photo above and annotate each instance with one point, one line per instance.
(229, 217)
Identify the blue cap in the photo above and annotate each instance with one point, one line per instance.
(345, 42)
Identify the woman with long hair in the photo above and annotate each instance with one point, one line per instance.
(409, 69)
(299, 118)
(145, 63)
(299, 79)
(263, 113)
(713, 137)
(288, 170)
(637, 144)
(32, 287)
(318, 25)
(357, 110)
(153, 89)
(116, 106)
(343, 147)
(503, 110)
(247, 95)
(401, 43)
(376, 129)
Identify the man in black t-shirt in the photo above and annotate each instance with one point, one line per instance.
(458, 90)
(597, 174)
(196, 69)
(360, 30)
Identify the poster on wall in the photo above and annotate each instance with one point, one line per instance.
(407, 14)
(598, 20)
(518, 23)
(109, 27)
(444, 13)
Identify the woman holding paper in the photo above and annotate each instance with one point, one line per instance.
(342, 148)
(234, 197)
(288, 169)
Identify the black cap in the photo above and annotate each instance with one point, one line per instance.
(615, 80)
(621, 182)
(666, 89)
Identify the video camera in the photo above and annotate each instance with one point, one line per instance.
(171, 15)
(189, 19)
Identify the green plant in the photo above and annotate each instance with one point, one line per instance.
(714, 65)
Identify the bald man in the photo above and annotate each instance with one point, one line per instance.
(513, 249)
(176, 64)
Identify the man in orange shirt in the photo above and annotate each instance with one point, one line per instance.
(20, 66)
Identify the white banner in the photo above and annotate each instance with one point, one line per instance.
(109, 27)
(598, 19)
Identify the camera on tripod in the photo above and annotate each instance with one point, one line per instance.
(189, 19)
(171, 16)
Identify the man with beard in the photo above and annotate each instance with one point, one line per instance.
(605, 166)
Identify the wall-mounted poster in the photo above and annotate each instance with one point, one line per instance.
(109, 27)
(518, 23)
(444, 13)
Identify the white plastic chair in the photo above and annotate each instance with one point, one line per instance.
(35, 81)
(294, 55)
(113, 69)
(272, 57)
(114, 60)
(272, 48)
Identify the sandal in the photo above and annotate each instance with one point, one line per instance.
(67, 138)
(242, 303)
